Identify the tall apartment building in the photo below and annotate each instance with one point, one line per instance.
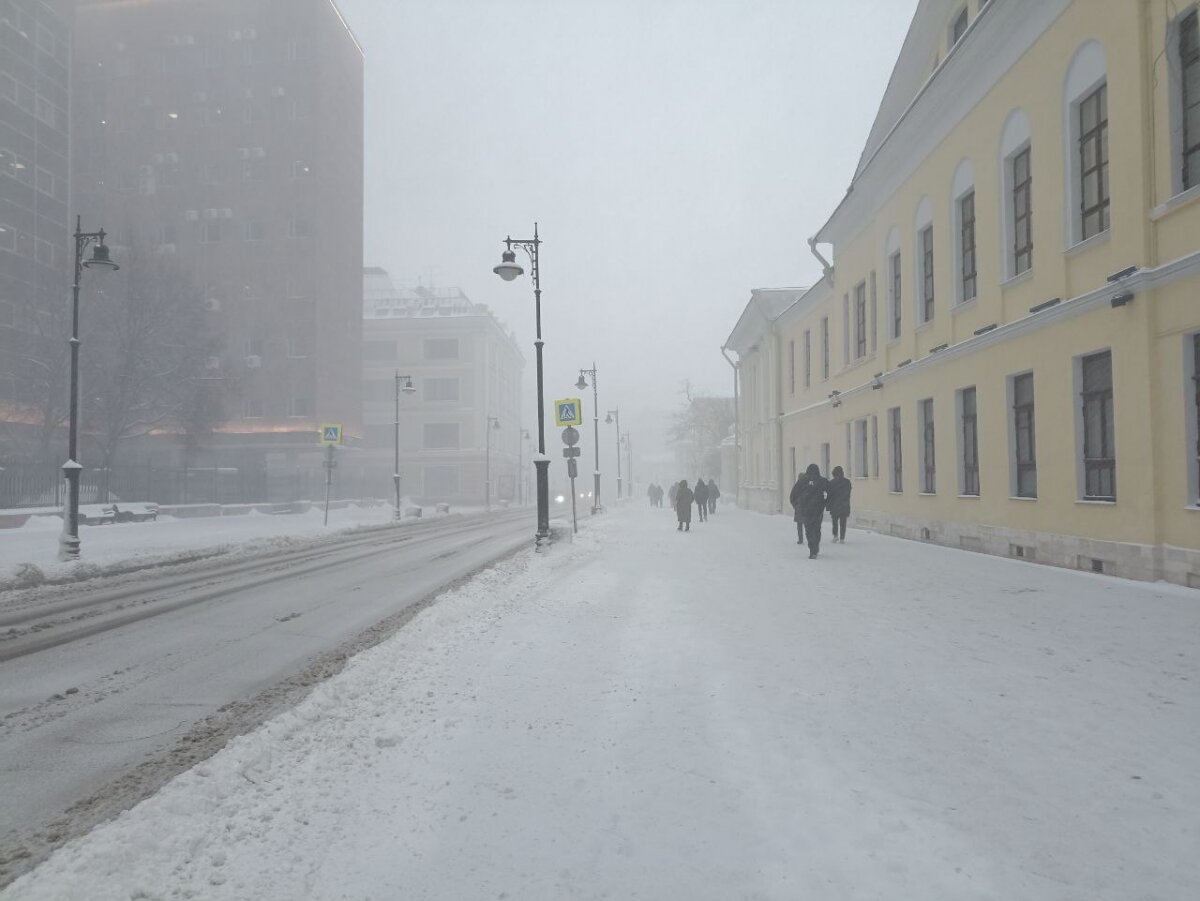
(227, 135)
(35, 242)
(1004, 353)
(466, 368)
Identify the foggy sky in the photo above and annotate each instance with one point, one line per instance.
(676, 154)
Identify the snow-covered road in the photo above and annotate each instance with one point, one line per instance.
(649, 714)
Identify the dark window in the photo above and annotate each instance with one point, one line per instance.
(966, 212)
(1099, 448)
(825, 347)
(960, 27)
(1189, 59)
(1022, 200)
(1025, 443)
(928, 462)
(896, 295)
(970, 443)
(927, 274)
(440, 389)
(807, 358)
(1196, 393)
(440, 435)
(1093, 162)
(860, 321)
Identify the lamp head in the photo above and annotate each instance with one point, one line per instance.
(101, 260)
(496, 424)
(582, 383)
(608, 419)
(409, 387)
(508, 268)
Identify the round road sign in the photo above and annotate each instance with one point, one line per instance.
(570, 436)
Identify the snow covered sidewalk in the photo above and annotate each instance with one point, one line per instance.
(649, 714)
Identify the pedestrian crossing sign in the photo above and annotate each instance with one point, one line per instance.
(331, 433)
(568, 412)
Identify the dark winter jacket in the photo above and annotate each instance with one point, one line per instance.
(808, 495)
(683, 503)
(838, 496)
(701, 492)
(713, 491)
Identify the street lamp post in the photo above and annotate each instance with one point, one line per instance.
(629, 460)
(508, 270)
(492, 423)
(68, 541)
(615, 415)
(408, 388)
(581, 384)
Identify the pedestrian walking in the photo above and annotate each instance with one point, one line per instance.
(683, 506)
(838, 502)
(671, 493)
(713, 493)
(701, 496)
(808, 500)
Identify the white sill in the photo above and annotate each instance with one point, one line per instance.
(968, 497)
(1194, 508)
(1085, 246)
(965, 305)
(1013, 498)
(1017, 279)
(1088, 502)
(901, 494)
(1183, 198)
(926, 494)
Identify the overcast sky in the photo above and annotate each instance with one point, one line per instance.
(676, 154)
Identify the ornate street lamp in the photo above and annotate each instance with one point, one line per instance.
(404, 384)
(609, 419)
(581, 384)
(68, 541)
(508, 270)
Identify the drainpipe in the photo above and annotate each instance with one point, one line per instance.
(737, 430)
(825, 265)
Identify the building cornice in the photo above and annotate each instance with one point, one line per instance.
(993, 44)
(1140, 281)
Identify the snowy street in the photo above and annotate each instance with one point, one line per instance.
(711, 715)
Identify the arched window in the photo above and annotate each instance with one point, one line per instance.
(923, 263)
(1016, 189)
(894, 281)
(1085, 108)
(962, 215)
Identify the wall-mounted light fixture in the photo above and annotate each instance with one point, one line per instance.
(1124, 273)
(940, 347)
(1122, 299)
(903, 363)
(877, 381)
(835, 398)
(985, 329)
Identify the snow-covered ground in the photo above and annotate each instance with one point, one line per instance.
(649, 714)
(36, 542)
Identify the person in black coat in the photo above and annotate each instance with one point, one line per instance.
(838, 502)
(808, 500)
(701, 497)
(713, 493)
(683, 506)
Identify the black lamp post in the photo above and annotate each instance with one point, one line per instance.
(508, 270)
(68, 541)
(581, 384)
(403, 383)
(521, 467)
(492, 423)
(615, 415)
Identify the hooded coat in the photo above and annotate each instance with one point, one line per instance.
(683, 502)
(838, 496)
(701, 492)
(808, 495)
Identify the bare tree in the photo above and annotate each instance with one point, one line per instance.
(697, 430)
(151, 362)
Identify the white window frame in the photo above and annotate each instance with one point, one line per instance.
(962, 185)
(846, 329)
(1175, 93)
(860, 331)
(922, 221)
(893, 256)
(849, 467)
(861, 448)
(873, 314)
(874, 446)
(1014, 139)
(1087, 72)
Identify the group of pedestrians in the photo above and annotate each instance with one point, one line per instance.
(681, 498)
(811, 496)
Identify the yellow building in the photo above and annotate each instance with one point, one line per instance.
(1004, 353)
